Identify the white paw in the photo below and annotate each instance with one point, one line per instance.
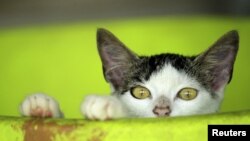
(102, 107)
(40, 105)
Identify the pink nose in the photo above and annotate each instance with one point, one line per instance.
(161, 111)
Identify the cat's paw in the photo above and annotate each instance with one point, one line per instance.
(40, 105)
(102, 108)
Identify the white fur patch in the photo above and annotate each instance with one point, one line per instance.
(102, 107)
(40, 105)
(168, 82)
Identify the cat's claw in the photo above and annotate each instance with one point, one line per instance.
(40, 105)
(102, 108)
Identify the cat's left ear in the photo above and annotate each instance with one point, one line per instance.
(215, 66)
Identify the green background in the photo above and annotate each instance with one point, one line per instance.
(61, 60)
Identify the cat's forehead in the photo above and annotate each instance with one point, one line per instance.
(170, 79)
(150, 65)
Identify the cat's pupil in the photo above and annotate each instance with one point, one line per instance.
(142, 92)
(188, 94)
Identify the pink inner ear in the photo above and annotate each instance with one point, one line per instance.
(107, 57)
(115, 76)
(223, 71)
(221, 80)
(113, 61)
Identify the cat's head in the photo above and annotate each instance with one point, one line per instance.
(168, 84)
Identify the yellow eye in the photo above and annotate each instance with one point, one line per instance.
(187, 93)
(140, 92)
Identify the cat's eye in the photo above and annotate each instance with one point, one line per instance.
(140, 92)
(187, 93)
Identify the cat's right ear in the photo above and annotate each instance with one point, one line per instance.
(116, 58)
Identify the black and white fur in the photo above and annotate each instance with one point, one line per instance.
(163, 75)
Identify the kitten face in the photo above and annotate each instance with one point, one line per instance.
(164, 86)
(168, 84)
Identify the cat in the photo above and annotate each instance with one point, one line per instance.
(163, 85)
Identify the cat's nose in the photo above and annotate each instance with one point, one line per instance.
(161, 111)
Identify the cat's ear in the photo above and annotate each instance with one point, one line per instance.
(116, 58)
(215, 65)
